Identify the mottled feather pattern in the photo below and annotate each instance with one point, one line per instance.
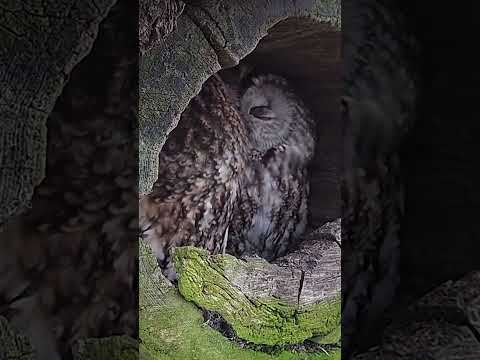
(200, 167)
(272, 209)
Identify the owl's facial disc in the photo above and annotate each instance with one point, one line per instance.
(268, 116)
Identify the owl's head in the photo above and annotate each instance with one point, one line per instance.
(274, 113)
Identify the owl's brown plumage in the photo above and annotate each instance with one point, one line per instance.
(200, 169)
(234, 168)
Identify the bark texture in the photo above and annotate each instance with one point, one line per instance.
(41, 43)
(14, 345)
(17, 346)
(443, 324)
(157, 19)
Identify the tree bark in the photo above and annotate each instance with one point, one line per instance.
(443, 324)
(157, 19)
(33, 71)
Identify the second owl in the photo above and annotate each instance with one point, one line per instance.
(271, 211)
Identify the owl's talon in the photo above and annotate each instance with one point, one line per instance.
(225, 239)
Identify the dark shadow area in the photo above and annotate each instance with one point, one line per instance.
(440, 236)
(433, 171)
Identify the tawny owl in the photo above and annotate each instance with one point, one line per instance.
(271, 212)
(200, 169)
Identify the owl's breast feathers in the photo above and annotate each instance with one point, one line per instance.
(272, 206)
(198, 181)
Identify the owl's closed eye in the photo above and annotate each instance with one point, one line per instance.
(262, 112)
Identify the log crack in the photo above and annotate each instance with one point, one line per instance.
(302, 279)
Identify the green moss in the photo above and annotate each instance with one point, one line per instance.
(334, 337)
(324, 320)
(173, 329)
(262, 321)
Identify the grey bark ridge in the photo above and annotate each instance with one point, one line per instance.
(157, 18)
(443, 324)
(41, 43)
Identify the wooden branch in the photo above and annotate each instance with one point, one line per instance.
(285, 302)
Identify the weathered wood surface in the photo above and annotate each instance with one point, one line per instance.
(319, 262)
(157, 19)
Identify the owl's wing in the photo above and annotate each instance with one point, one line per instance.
(200, 166)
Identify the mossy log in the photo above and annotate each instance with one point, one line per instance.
(172, 328)
(285, 302)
